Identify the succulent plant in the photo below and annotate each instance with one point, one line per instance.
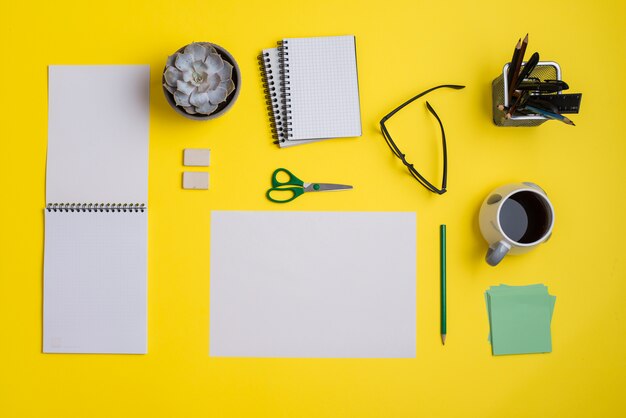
(198, 78)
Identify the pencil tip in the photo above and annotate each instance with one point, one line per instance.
(526, 38)
(443, 339)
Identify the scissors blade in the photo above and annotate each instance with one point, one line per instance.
(325, 187)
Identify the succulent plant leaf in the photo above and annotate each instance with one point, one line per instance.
(181, 98)
(170, 60)
(169, 88)
(197, 50)
(200, 67)
(172, 74)
(206, 109)
(226, 73)
(186, 88)
(209, 47)
(198, 99)
(229, 86)
(184, 61)
(215, 63)
(190, 110)
(217, 96)
(213, 81)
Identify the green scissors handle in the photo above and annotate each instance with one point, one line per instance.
(291, 181)
(279, 189)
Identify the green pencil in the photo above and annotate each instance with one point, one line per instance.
(442, 242)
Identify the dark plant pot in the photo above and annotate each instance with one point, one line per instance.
(222, 107)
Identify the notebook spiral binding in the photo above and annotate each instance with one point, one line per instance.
(285, 89)
(96, 207)
(271, 96)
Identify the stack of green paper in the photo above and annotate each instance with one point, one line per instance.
(519, 319)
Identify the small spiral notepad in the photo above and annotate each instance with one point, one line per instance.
(312, 89)
(95, 254)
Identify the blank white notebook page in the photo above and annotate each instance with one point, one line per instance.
(323, 87)
(313, 284)
(98, 127)
(95, 282)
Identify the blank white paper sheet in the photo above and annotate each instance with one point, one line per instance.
(313, 284)
(98, 133)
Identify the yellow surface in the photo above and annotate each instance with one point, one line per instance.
(403, 48)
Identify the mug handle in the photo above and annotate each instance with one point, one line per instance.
(496, 252)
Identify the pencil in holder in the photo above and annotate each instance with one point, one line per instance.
(545, 70)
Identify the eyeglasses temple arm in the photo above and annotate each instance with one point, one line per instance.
(411, 100)
(445, 149)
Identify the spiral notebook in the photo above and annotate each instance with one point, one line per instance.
(95, 251)
(312, 91)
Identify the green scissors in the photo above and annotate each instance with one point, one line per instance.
(299, 187)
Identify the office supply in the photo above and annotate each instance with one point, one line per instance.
(279, 193)
(547, 86)
(272, 77)
(514, 67)
(522, 51)
(502, 102)
(96, 217)
(396, 151)
(563, 103)
(311, 89)
(514, 60)
(195, 180)
(542, 104)
(514, 90)
(196, 157)
(442, 271)
(520, 101)
(313, 284)
(528, 69)
(519, 319)
(549, 115)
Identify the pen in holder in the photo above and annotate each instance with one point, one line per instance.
(545, 70)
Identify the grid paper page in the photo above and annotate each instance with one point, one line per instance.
(98, 128)
(313, 284)
(95, 282)
(324, 87)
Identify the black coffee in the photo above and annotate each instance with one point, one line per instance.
(525, 217)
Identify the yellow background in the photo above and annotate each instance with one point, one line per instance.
(402, 48)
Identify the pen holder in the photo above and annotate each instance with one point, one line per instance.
(545, 70)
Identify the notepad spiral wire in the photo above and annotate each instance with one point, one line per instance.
(271, 95)
(285, 89)
(96, 207)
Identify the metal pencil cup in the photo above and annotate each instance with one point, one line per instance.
(545, 70)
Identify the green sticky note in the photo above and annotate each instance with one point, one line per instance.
(520, 321)
(504, 289)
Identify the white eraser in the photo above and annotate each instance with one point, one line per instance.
(196, 157)
(197, 180)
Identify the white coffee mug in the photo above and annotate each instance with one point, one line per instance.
(515, 218)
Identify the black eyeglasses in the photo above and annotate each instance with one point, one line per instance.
(394, 148)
